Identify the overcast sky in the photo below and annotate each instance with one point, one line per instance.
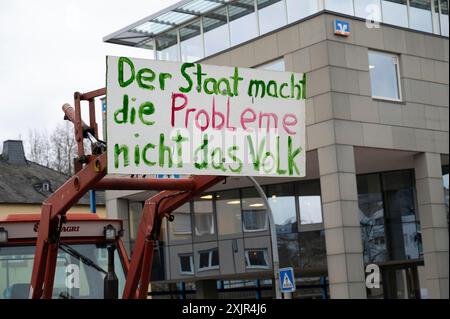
(51, 48)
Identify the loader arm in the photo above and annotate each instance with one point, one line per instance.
(155, 209)
(90, 171)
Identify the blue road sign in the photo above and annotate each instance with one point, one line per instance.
(341, 28)
(287, 280)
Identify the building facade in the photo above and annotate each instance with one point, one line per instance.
(376, 188)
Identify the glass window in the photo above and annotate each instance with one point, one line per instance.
(16, 264)
(368, 9)
(384, 75)
(395, 12)
(254, 212)
(282, 202)
(310, 203)
(312, 250)
(228, 208)
(204, 216)
(215, 29)
(209, 259)
(256, 258)
(443, 17)
(277, 65)
(186, 264)
(342, 6)
(288, 250)
(180, 228)
(310, 209)
(191, 42)
(271, 14)
(242, 21)
(371, 218)
(420, 15)
(167, 46)
(215, 258)
(299, 9)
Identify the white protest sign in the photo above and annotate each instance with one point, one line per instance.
(189, 118)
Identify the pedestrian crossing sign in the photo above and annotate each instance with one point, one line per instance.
(287, 280)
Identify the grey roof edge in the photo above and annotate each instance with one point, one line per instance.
(146, 19)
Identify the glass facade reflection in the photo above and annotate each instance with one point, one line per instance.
(368, 9)
(191, 42)
(420, 15)
(233, 23)
(395, 12)
(384, 75)
(443, 16)
(228, 210)
(271, 15)
(215, 30)
(389, 224)
(243, 23)
(299, 9)
(342, 6)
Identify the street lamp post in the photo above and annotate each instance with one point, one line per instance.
(273, 237)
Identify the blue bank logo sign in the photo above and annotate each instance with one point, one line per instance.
(341, 28)
(287, 280)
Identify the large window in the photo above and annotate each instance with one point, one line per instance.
(242, 21)
(371, 217)
(204, 216)
(186, 264)
(297, 10)
(390, 229)
(420, 15)
(256, 258)
(309, 202)
(228, 208)
(191, 42)
(402, 227)
(368, 9)
(384, 75)
(180, 228)
(282, 202)
(215, 30)
(342, 6)
(254, 212)
(209, 259)
(443, 16)
(395, 12)
(167, 46)
(271, 14)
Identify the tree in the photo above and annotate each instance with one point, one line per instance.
(38, 147)
(63, 148)
(56, 150)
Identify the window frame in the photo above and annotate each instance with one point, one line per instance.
(266, 222)
(191, 263)
(210, 254)
(397, 72)
(174, 228)
(265, 255)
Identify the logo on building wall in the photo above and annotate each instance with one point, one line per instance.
(341, 28)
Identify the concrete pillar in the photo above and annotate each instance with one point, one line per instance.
(118, 208)
(341, 222)
(433, 223)
(206, 289)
